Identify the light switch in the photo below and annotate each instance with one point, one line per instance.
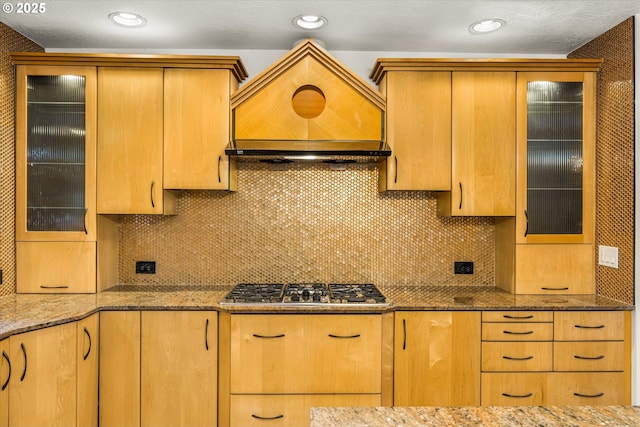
(608, 256)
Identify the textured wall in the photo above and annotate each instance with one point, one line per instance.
(615, 156)
(307, 224)
(10, 41)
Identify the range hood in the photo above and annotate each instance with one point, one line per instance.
(308, 107)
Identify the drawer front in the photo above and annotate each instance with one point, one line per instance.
(599, 388)
(289, 410)
(306, 353)
(589, 356)
(517, 331)
(517, 316)
(513, 389)
(589, 325)
(517, 356)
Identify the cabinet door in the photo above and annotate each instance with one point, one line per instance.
(5, 377)
(196, 129)
(556, 158)
(437, 359)
(56, 153)
(130, 131)
(483, 145)
(179, 369)
(418, 131)
(56, 267)
(119, 382)
(87, 356)
(43, 382)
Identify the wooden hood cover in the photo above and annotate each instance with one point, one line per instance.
(307, 101)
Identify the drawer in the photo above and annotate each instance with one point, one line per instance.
(517, 316)
(513, 389)
(588, 356)
(589, 325)
(593, 388)
(306, 353)
(289, 410)
(517, 331)
(517, 356)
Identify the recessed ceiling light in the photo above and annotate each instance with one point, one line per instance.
(128, 19)
(310, 22)
(486, 26)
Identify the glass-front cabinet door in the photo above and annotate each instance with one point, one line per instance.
(556, 141)
(55, 153)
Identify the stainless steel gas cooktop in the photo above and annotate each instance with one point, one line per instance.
(305, 294)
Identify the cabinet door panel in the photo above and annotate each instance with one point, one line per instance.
(437, 359)
(589, 356)
(514, 389)
(43, 384)
(599, 388)
(517, 356)
(517, 331)
(5, 377)
(179, 368)
(589, 325)
(88, 347)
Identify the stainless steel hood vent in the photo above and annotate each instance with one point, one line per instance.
(308, 107)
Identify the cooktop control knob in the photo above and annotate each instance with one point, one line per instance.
(305, 294)
(316, 296)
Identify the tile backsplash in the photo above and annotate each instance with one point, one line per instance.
(306, 224)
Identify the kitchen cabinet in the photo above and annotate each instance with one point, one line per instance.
(437, 358)
(43, 379)
(158, 368)
(196, 129)
(483, 145)
(5, 377)
(418, 129)
(130, 142)
(556, 358)
(329, 359)
(549, 247)
(88, 344)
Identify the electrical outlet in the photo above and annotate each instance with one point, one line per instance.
(463, 267)
(608, 256)
(145, 267)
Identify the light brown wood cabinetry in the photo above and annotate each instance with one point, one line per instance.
(437, 359)
(130, 135)
(196, 129)
(43, 380)
(483, 145)
(418, 128)
(5, 377)
(87, 353)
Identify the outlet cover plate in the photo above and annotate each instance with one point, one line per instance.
(608, 256)
(145, 267)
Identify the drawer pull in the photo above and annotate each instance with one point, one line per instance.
(6, 357)
(517, 358)
(589, 395)
(589, 358)
(258, 417)
(508, 316)
(54, 286)
(268, 336)
(518, 396)
(206, 335)
(589, 327)
(86, 355)
(545, 288)
(24, 357)
(517, 332)
(344, 336)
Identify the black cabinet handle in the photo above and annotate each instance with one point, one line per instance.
(268, 336)
(526, 219)
(54, 286)
(206, 335)
(84, 221)
(508, 316)
(219, 160)
(546, 288)
(517, 358)
(86, 331)
(517, 332)
(404, 334)
(395, 178)
(153, 203)
(588, 327)
(24, 355)
(6, 357)
(460, 206)
(517, 396)
(589, 395)
(258, 417)
(344, 336)
(577, 356)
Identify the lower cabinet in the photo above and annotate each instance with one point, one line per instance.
(437, 358)
(158, 368)
(5, 377)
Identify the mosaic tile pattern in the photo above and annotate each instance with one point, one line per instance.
(615, 179)
(307, 224)
(10, 41)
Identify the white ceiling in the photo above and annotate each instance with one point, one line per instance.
(542, 27)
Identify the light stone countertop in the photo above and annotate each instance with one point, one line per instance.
(507, 416)
(24, 312)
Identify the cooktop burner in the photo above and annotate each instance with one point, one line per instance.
(305, 294)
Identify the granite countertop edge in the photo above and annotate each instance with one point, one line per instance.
(25, 312)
